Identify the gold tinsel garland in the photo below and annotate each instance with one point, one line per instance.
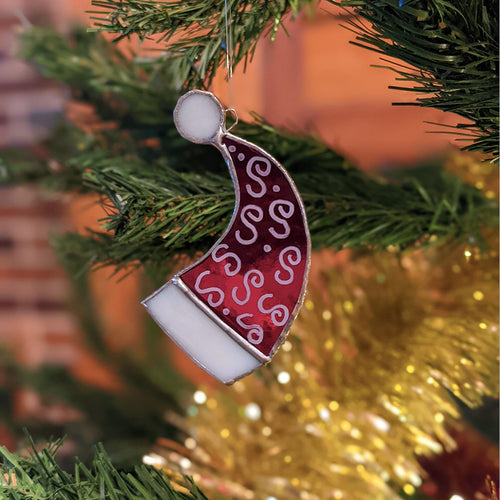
(365, 383)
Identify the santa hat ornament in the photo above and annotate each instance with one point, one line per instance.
(231, 310)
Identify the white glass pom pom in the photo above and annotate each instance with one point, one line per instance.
(199, 116)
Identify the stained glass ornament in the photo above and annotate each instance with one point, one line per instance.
(231, 310)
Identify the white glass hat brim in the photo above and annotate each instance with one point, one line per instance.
(199, 335)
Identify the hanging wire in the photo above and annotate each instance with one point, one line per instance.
(229, 42)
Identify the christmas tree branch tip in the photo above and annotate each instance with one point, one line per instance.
(40, 476)
(450, 54)
(206, 31)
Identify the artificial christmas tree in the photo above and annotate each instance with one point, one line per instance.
(401, 328)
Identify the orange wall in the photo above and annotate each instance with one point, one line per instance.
(316, 81)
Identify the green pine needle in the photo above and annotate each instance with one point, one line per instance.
(40, 477)
(450, 51)
(162, 213)
(175, 198)
(196, 30)
(447, 51)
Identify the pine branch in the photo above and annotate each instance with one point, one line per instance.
(127, 419)
(452, 48)
(162, 214)
(40, 477)
(175, 198)
(194, 32)
(450, 51)
(121, 87)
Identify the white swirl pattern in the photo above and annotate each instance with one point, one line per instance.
(255, 334)
(249, 213)
(257, 161)
(211, 290)
(293, 257)
(285, 210)
(252, 277)
(279, 313)
(227, 255)
(245, 293)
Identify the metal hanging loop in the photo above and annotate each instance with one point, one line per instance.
(235, 115)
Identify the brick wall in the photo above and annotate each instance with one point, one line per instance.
(33, 290)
